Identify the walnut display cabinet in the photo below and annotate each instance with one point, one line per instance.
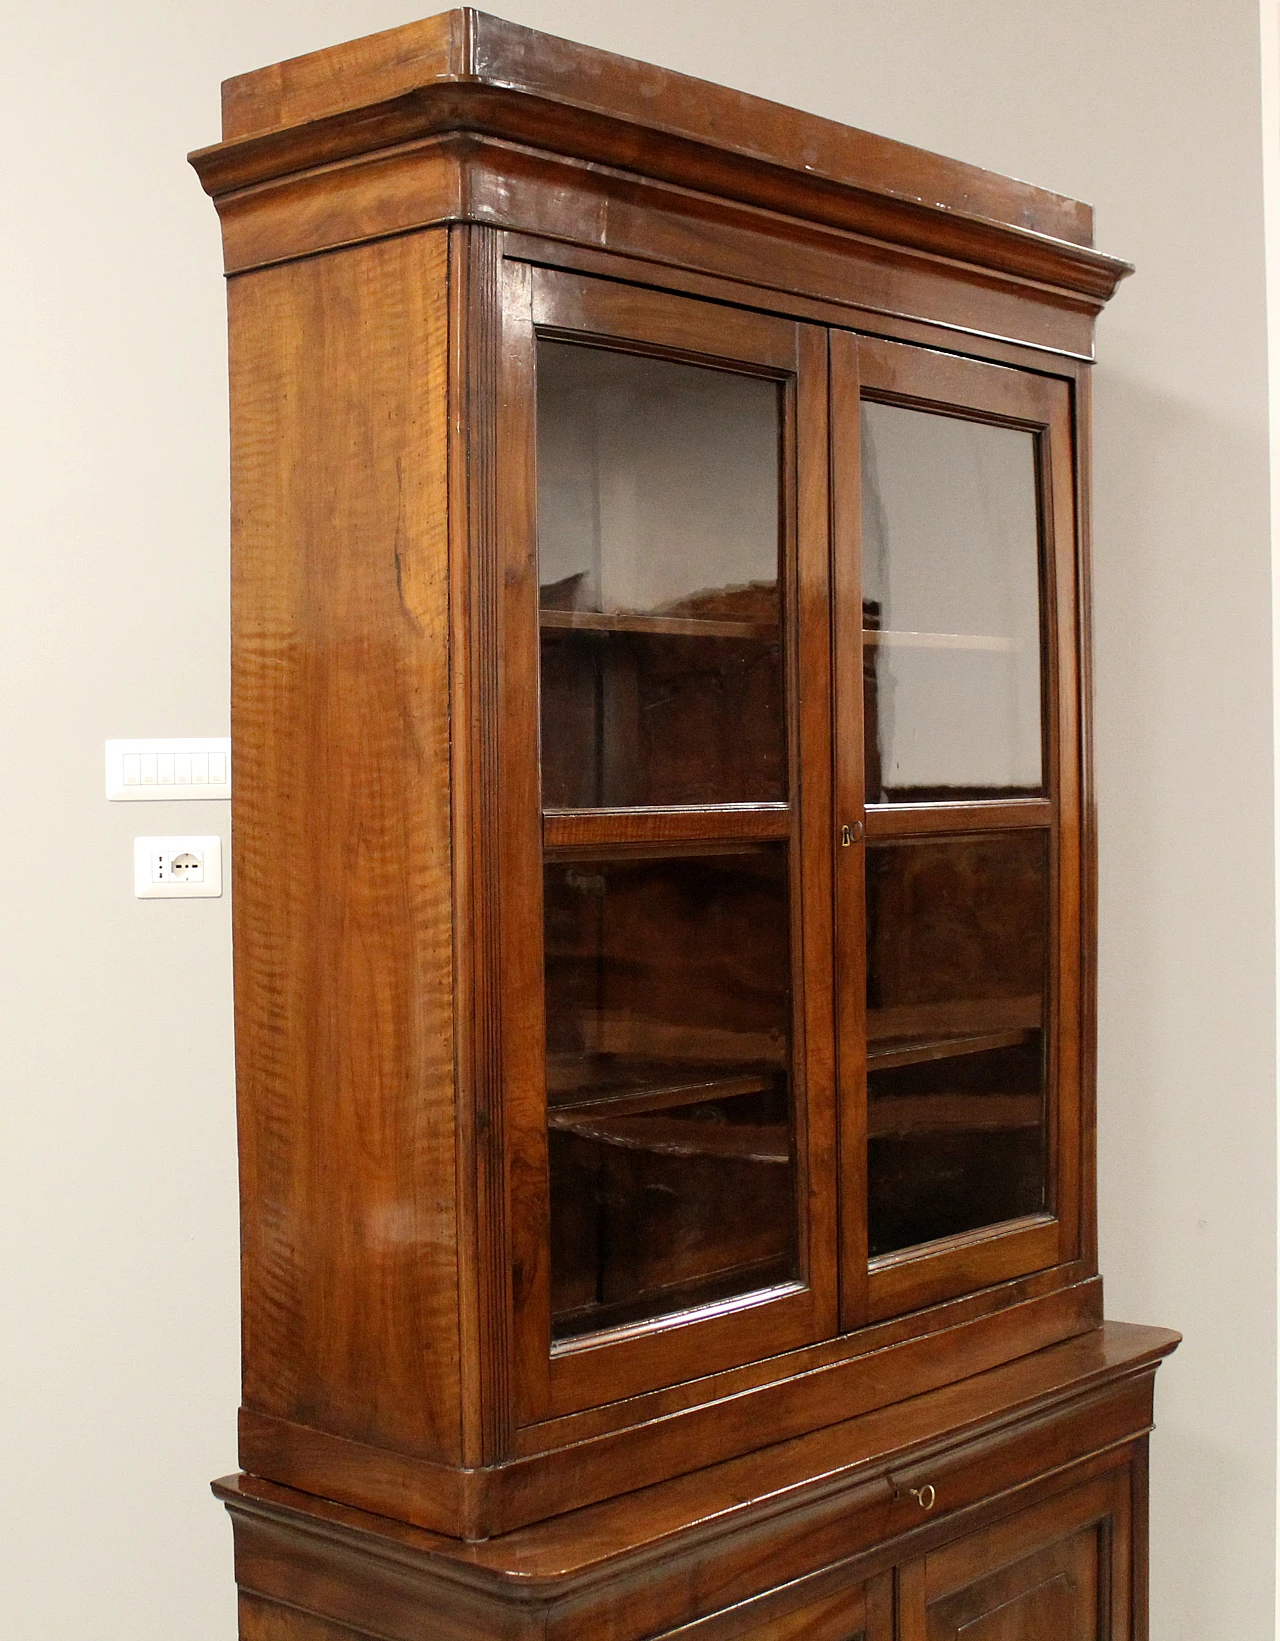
(663, 869)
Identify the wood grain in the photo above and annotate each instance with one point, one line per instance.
(846, 302)
(475, 524)
(464, 178)
(341, 845)
(1023, 1453)
(465, 43)
(269, 1621)
(402, 217)
(476, 73)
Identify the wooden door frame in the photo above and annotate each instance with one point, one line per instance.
(549, 1382)
(896, 372)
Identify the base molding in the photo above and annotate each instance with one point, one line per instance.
(800, 1527)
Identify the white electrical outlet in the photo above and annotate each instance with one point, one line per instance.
(199, 768)
(177, 868)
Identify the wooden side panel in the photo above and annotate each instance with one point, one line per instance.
(341, 848)
(268, 1621)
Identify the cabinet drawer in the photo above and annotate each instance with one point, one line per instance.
(955, 1479)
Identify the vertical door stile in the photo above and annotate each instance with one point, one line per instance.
(811, 674)
(850, 812)
(519, 845)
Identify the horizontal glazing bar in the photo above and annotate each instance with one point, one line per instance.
(903, 820)
(602, 828)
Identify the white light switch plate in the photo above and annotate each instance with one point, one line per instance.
(177, 868)
(186, 768)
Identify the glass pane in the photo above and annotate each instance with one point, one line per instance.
(951, 607)
(957, 940)
(658, 544)
(668, 997)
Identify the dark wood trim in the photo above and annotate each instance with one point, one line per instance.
(851, 307)
(929, 379)
(468, 46)
(475, 694)
(810, 671)
(463, 178)
(583, 308)
(1069, 1028)
(1082, 407)
(920, 1276)
(588, 829)
(1140, 1567)
(908, 820)
(850, 810)
(517, 818)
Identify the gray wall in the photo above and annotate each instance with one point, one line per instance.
(117, 1186)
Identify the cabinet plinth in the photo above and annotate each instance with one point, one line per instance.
(663, 858)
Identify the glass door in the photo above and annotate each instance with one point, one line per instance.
(958, 760)
(673, 1100)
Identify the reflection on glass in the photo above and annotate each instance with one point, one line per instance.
(951, 607)
(658, 545)
(956, 987)
(668, 1004)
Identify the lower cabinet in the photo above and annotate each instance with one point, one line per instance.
(1060, 1571)
(1013, 1508)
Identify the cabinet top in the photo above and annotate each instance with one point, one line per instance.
(465, 71)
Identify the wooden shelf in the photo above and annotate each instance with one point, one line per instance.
(668, 1299)
(907, 1116)
(621, 1085)
(914, 817)
(665, 626)
(941, 640)
(965, 1018)
(681, 1137)
(891, 1052)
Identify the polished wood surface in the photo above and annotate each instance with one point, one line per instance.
(376, 117)
(465, 69)
(1061, 1570)
(341, 846)
(557, 1275)
(469, 45)
(785, 1313)
(1001, 1470)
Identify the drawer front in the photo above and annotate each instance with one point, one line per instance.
(965, 1475)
